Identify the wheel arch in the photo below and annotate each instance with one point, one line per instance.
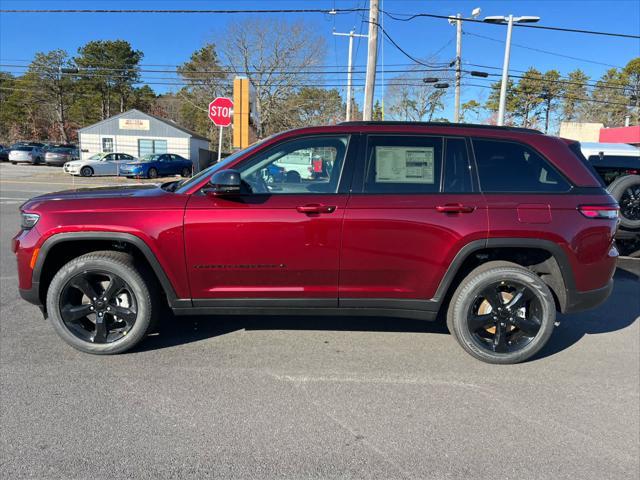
(62, 247)
(543, 257)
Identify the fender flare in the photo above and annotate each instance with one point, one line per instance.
(554, 249)
(136, 241)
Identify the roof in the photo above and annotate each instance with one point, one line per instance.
(444, 125)
(594, 148)
(166, 121)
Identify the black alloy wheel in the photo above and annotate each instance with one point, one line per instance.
(630, 203)
(504, 317)
(98, 307)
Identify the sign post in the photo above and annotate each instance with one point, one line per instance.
(220, 113)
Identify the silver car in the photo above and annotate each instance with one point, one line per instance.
(26, 154)
(60, 155)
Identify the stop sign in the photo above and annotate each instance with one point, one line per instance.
(220, 111)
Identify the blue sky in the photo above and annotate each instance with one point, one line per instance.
(170, 39)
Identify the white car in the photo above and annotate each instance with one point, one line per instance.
(98, 164)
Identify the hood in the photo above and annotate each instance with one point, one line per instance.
(95, 193)
(76, 163)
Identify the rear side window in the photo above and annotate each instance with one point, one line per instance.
(514, 167)
(457, 170)
(403, 164)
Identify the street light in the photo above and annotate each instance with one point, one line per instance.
(510, 20)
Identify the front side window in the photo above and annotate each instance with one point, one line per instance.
(403, 164)
(514, 167)
(306, 165)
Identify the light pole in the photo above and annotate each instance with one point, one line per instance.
(351, 34)
(457, 21)
(510, 20)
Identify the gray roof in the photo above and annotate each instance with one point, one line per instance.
(139, 113)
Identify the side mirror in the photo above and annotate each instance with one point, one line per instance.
(224, 182)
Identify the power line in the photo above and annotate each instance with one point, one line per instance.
(544, 51)
(333, 11)
(520, 25)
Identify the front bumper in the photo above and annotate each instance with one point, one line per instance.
(579, 301)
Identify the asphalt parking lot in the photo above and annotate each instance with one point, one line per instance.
(312, 397)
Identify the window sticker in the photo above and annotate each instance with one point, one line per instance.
(405, 165)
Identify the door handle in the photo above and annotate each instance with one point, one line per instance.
(454, 208)
(316, 208)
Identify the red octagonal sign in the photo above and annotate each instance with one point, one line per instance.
(220, 111)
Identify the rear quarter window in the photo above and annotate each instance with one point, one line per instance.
(511, 167)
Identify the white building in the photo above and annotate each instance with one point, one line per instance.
(138, 133)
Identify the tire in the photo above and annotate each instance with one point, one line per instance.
(523, 331)
(142, 311)
(86, 172)
(14, 163)
(152, 173)
(626, 191)
(186, 172)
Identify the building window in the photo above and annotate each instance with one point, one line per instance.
(107, 144)
(146, 147)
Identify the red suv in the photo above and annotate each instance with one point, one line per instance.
(497, 227)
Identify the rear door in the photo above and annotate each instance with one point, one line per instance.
(415, 204)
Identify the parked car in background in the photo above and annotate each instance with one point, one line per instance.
(158, 165)
(58, 156)
(26, 153)
(100, 164)
(618, 165)
(4, 154)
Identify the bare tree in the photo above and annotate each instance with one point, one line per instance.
(410, 99)
(273, 54)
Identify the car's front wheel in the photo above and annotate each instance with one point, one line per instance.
(99, 303)
(86, 171)
(502, 313)
(152, 173)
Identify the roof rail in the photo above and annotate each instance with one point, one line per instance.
(443, 124)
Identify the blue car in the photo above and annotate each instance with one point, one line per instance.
(157, 165)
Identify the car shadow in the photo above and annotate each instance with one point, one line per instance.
(621, 310)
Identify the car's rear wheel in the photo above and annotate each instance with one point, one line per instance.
(626, 191)
(502, 313)
(86, 171)
(99, 303)
(152, 173)
(186, 172)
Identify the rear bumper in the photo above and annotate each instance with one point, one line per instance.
(579, 301)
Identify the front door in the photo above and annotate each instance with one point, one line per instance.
(279, 240)
(415, 203)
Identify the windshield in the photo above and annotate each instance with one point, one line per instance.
(151, 157)
(60, 150)
(186, 184)
(97, 156)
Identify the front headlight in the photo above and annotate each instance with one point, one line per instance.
(28, 220)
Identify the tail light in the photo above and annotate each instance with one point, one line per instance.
(609, 212)
(632, 172)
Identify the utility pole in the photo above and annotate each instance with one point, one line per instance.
(457, 20)
(456, 111)
(372, 57)
(351, 34)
